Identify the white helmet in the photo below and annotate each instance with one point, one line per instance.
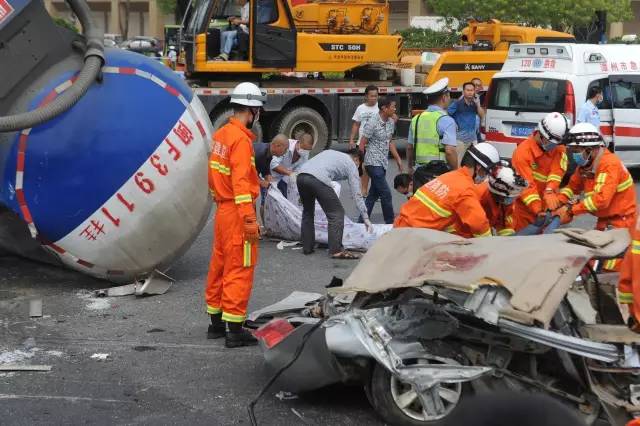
(248, 94)
(584, 134)
(506, 182)
(553, 127)
(485, 154)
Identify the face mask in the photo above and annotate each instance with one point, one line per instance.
(579, 159)
(303, 153)
(256, 117)
(550, 146)
(478, 179)
(507, 201)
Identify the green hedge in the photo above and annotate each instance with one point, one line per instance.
(417, 38)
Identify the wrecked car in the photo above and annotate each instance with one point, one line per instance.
(427, 319)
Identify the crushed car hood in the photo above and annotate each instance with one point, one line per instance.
(536, 270)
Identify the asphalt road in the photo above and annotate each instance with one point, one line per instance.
(159, 367)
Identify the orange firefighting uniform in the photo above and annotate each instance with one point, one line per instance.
(500, 216)
(543, 170)
(629, 285)
(608, 194)
(447, 203)
(233, 182)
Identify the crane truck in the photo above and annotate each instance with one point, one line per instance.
(348, 37)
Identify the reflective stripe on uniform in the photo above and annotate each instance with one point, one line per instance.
(610, 264)
(539, 177)
(530, 199)
(487, 233)
(212, 311)
(243, 198)
(246, 254)
(432, 205)
(253, 161)
(226, 316)
(635, 247)
(628, 183)
(564, 161)
(554, 178)
(589, 204)
(220, 168)
(450, 229)
(625, 298)
(601, 179)
(567, 192)
(506, 232)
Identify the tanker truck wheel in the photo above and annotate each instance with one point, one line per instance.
(398, 404)
(221, 118)
(305, 120)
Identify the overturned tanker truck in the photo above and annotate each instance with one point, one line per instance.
(427, 319)
(103, 152)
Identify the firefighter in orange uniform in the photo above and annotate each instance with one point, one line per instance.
(497, 197)
(450, 202)
(629, 286)
(233, 182)
(604, 181)
(542, 162)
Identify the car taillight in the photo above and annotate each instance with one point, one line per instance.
(569, 102)
(274, 332)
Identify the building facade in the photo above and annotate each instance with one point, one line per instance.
(144, 16)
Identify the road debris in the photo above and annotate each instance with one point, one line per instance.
(123, 290)
(100, 357)
(282, 244)
(156, 283)
(294, 411)
(285, 396)
(24, 367)
(35, 308)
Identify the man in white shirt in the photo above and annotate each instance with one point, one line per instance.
(363, 113)
(588, 112)
(229, 39)
(294, 157)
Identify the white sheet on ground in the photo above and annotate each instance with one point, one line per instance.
(282, 217)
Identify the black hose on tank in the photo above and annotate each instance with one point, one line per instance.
(93, 61)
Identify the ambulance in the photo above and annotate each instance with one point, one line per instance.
(540, 78)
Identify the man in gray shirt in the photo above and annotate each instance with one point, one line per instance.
(376, 137)
(314, 182)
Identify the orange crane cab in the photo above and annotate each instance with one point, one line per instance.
(484, 51)
(334, 36)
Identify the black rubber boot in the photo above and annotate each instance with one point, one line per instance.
(217, 329)
(237, 336)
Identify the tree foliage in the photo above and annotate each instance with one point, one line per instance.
(65, 24)
(168, 7)
(559, 14)
(426, 38)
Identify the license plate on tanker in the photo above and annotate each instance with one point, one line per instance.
(522, 131)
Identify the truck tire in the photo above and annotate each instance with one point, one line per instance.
(220, 119)
(303, 119)
(385, 393)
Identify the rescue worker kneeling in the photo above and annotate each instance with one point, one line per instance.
(542, 161)
(629, 285)
(450, 202)
(233, 182)
(604, 182)
(497, 197)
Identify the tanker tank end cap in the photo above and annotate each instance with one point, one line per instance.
(439, 87)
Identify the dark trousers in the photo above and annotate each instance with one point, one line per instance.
(310, 190)
(379, 189)
(282, 186)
